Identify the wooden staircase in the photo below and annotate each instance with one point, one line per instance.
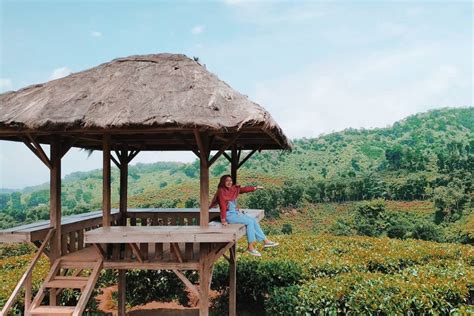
(68, 272)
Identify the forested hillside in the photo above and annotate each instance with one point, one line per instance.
(365, 219)
(428, 156)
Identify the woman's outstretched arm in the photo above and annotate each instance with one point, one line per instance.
(249, 188)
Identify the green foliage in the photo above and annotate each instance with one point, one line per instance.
(342, 227)
(450, 201)
(428, 231)
(255, 279)
(287, 229)
(144, 286)
(268, 200)
(371, 218)
(425, 156)
(191, 202)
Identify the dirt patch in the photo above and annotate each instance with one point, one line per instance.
(107, 305)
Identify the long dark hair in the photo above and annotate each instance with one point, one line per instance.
(222, 181)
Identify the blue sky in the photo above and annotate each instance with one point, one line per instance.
(316, 66)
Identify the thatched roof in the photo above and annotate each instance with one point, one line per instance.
(136, 95)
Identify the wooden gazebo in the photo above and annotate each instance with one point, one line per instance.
(138, 103)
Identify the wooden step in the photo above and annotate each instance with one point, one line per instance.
(52, 310)
(77, 264)
(70, 277)
(66, 284)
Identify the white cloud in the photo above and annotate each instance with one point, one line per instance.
(60, 72)
(198, 29)
(96, 34)
(365, 91)
(5, 84)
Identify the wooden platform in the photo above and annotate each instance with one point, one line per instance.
(38, 230)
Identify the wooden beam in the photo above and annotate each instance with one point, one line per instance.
(217, 254)
(247, 158)
(224, 148)
(187, 143)
(67, 145)
(177, 251)
(46, 161)
(233, 281)
(203, 150)
(123, 199)
(204, 279)
(55, 197)
(106, 197)
(203, 142)
(40, 149)
(115, 161)
(186, 282)
(227, 156)
(26, 278)
(121, 292)
(100, 250)
(137, 252)
(234, 162)
(132, 155)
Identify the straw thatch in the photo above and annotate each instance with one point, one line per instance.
(136, 92)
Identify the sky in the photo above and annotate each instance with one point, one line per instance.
(317, 67)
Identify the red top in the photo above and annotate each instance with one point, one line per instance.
(224, 195)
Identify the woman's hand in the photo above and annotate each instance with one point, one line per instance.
(259, 187)
(224, 223)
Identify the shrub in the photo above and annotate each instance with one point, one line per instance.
(412, 292)
(397, 231)
(144, 286)
(342, 227)
(428, 231)
(268, 200)
(256, 278)
(371, 218)
(287, 229)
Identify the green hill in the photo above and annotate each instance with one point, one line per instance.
(425, 156)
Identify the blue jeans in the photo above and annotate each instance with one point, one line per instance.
(253, 227)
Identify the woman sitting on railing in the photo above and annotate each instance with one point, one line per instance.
(226, 197)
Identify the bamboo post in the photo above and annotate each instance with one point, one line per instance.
(106, 180)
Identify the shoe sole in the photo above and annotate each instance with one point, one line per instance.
(270, 246)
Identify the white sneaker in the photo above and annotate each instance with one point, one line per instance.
(270, 244)
(254, 252)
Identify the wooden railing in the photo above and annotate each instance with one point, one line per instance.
(72, 235)
(26, 279)
(183, 252)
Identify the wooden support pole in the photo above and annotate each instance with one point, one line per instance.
(233, 281)
(123, 186)
(202, 139)
(28, 290)
(204, 279)
(121, 291)
(106, 199)
(234, 163)
(55, 198)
